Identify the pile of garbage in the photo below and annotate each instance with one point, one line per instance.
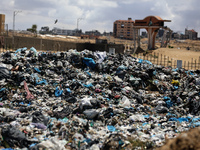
(92, 100)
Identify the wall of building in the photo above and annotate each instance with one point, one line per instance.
(192, 35)
(123, 29)
(56, 45)
(2, 23)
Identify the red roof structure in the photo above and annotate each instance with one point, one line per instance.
(192, 30)
(152, 24)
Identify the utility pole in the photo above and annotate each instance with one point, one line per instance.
(78, 23)
(7, 29)
(14, 14)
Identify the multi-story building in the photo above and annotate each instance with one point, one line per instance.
(191, 34)
(123, 29)
(2, 23)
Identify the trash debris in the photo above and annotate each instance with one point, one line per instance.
(92, 100)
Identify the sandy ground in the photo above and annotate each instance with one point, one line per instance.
(179, 51)
(179, 54)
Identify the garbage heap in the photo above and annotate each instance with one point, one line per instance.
(92, 100)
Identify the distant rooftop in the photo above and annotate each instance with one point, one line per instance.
(129, 20)
(192, 30)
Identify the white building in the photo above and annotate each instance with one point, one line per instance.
(59, 31)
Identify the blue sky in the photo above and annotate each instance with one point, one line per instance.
(99, 14)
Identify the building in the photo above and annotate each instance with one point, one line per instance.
(93, 32)
(184, 37)
(191, 34)
(2, 23)
(161, 32)
(59, 31)
(107, 33)
(84, 36)
(45, 30)
(123, 29)
(176, 35)
(144, 34)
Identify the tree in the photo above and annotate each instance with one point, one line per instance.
(33, 29)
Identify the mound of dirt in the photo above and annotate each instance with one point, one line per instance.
(185, 141)
(139, 50)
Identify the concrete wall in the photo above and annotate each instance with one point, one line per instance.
(56, 45)
(119, 48)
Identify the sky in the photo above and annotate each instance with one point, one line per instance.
(98, 14)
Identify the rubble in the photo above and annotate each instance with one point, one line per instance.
(92, 100)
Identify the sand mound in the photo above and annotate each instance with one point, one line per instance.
(185, 141)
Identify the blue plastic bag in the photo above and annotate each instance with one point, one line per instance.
(88, 85)
(89, 62)
(36, 69)
(111, 128)
(169, 103)
(58, 92)
(179, 119)
(34, 50)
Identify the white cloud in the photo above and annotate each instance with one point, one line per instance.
(99, 14)
(132, 1)
(95, 3)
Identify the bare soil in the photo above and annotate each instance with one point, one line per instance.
(179, 54)
(185, 141)
(178, 50)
